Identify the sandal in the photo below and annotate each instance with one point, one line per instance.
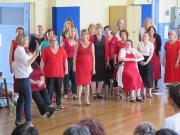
(133, 99)
(139, 99)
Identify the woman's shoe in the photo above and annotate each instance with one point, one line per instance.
(65, 96)
(74, 96)
(133, 99)
(139, 99)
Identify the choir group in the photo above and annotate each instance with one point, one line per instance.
(42, 66)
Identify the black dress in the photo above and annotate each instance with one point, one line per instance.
(32, 46)
(100, 62)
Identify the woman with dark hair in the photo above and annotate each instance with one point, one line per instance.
(39, 92)
(76, 130)
(166, 131)
(94, 126)
(37, 37)
(49, 33)
(13, 46)
(156, 58)
(25, 129)
(121, 44)
(173, 121)
(128, 75)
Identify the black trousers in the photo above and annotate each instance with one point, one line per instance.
(42, 100)
(146, 73)
(70, 77)
(54, 85)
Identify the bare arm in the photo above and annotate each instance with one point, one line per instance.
(66, 66)
(74, 58)
(122, 56)
(150, 56)
(93, 58)
(10, 56)
(177, 61)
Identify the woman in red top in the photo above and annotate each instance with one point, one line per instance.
(102, 58)
(39, 92)
(84, 65)
(124, 36)
(13, 46)
(69, 45)
(55, 66)
(172, 58)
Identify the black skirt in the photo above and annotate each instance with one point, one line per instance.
(146, 73)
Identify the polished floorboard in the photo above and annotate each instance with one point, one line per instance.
(117, 117)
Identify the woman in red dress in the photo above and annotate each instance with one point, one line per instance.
(172, 58)
(156, 40)
(84, 65)
(55, 66)
(131, 79)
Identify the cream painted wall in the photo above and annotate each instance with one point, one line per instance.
(164, 7)
(92, 11)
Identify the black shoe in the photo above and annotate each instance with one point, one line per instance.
(50, 111)
(139, 99)
(100, 96)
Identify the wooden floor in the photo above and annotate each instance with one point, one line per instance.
(117, 117)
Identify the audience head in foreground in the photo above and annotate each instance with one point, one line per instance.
(145, 128)
(25, 129)
(166, 131)
(77, 130)
(94, 126)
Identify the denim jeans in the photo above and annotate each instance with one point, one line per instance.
(24, 100)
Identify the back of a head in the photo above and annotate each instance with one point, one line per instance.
(25, 129)
(144, 128)
(166, 131)
(77, 130)
(94, 126)
(174, 93)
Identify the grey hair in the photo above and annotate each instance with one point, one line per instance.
(145, 128)
(76, 130)
(172, 31)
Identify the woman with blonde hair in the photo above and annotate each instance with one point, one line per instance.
(68, 24)
(69, 45)
(84, 65)
(21, 68)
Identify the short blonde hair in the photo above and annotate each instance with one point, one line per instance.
(21, 39)
(51, 39)
(84, 31)
(99, 26)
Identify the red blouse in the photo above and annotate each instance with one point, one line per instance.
(69, 48)
(35, 75)
(112, 44)
(54, 63)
